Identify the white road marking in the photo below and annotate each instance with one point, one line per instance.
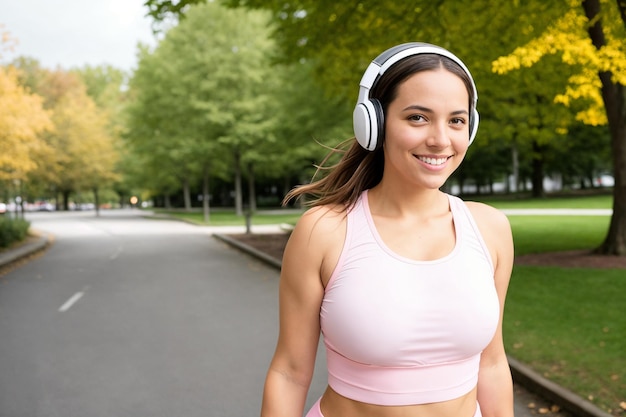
(69, 303)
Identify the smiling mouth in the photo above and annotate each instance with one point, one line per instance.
(433, 161)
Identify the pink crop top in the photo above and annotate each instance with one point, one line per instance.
(399, 331)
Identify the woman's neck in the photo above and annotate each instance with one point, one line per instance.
(387, 201)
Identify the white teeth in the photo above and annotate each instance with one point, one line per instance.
(432, 161)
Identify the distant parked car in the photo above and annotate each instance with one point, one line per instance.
(3, 208)
(45, 206)
(605, 181)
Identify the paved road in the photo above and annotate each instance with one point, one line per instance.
(125, 316)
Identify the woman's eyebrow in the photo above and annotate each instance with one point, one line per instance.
(428, 110)
(417, 107)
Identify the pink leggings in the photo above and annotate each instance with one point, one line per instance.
(316, 411)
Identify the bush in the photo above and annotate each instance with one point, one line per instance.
(12, 230)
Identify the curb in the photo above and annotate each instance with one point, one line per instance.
(10, 256)
(547, 389)
(522, 374)
(249, 250)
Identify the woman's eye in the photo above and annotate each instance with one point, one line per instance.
(416, 117)
(458, 121)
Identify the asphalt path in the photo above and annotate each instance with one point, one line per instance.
(125, 316)
(128, 316)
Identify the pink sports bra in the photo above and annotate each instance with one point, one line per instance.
(399, 331)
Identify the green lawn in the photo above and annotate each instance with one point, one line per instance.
(601, 201)
(538, 234)
(569, 324)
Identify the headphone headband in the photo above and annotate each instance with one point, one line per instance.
(368, 117)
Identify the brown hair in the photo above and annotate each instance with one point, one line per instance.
(360, 169)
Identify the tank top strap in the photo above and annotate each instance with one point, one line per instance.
(469, 231)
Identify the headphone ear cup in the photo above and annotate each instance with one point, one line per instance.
(474, 119)
(365, 123)
(362, 124)
(378, 124)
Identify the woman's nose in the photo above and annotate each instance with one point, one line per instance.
(439, 135)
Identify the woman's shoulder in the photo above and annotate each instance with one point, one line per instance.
(319, 236)
(493, 224)
(487, 215)
(322, 219)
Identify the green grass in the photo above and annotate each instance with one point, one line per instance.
(569, 325)
(603, 201)
(538, 234)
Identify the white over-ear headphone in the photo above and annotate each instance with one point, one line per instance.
(368, 117)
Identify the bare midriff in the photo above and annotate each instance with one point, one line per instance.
(335, 405)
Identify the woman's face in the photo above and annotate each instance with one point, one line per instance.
(427, 129)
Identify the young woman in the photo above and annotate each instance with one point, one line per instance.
(406, 283)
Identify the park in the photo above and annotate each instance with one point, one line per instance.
(240, 100)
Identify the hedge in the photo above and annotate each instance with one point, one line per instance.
(12, 230)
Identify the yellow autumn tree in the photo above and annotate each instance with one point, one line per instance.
(568, 36)
(590, 37)
(22, 122)
(85, 152)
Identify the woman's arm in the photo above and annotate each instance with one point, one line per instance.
(495, 386)
(300, 297)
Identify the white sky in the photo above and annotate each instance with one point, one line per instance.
(74, 33)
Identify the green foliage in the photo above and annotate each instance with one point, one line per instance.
(210, 97)
(335, 41)
(200, 95)
(517, 110)
(161, 10)
(12, 230)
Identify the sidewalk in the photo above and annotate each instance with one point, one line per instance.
(534, 393)
(32, 245)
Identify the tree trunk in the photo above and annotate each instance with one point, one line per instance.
(238, 192)
(251, 190)
(515, 163)
(66, 200)
(167, 202)
(614, 99)
(537, 174)
(187, 194)
(96, 199)
(206, 209)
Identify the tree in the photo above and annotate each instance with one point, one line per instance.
(309, 117)
(518, 112)
(80, 151)
(86, 155)
(108, 87)
(590, 38)
(23, 120)
(205, 94)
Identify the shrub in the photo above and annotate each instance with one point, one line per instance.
(12, 230)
